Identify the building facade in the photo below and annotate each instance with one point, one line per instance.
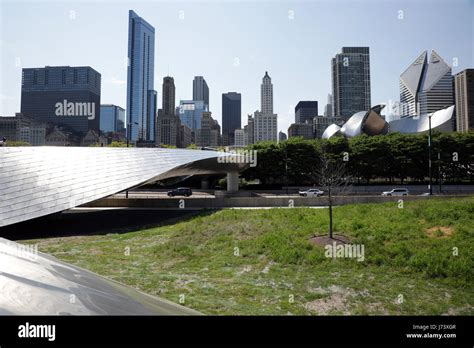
(190, 113)
(266, 95)
(328, 109)
(239, 138)
(168, 123)
(426, 87)
(63, 96)
(265, 127)
(304, 130)
(231, 116)
(249, 130)
(306, 111)
(141, 96)
(351, 81)
(201, 90)
(209, 132)
(282, 136)
(112, 119)
(464, 95)
(320, 123)
(22, 128)
(185, 136)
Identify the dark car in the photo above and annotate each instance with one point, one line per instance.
(180, 191)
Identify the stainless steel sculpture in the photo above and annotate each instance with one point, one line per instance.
(331, 131)
(371, 123)
(33, 283)
(440, 120)
(38, 181)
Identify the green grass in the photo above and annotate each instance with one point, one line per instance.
(277, 263)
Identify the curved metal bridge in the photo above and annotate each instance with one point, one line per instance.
(38, 181)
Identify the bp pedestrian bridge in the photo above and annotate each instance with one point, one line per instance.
(39, 181)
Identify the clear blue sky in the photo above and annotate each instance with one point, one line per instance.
(296, 52)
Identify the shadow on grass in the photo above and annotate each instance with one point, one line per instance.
(96, 222)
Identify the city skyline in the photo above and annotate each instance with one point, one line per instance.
(235, 69)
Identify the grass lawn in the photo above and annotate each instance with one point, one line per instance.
(262, 262)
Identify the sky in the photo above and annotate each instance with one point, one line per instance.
(233, 43)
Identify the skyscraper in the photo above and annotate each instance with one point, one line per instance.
(265, 127)
(266, 95)
(328, 109)
(169, 91)
(209, 132)
(201, 90)
(168, 123)
(351, 81)
(231, 116)
(141, 96)
(426, 87)
(190, 113)
(306, 111)
(464, 92)
(112, 119)
(62, 96)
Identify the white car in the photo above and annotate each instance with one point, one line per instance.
(311, 192)
(396, 192)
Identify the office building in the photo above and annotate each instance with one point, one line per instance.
(185, 136)
(249, 130)
(231, 116)
(112, 119)
(239, 138)
(190, 113)
(22, 128)
(328, 109)
(201, 91)
(306, 111)
(63, 96)
(351, 81)
(464, 95)
(265, 127)
(304, 130)
(320, 123)
(282, 136)
(168, 123)
(426, 87)
(209, 132)
(141, 96)
(266, 95)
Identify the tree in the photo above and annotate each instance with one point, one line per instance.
(332, 177)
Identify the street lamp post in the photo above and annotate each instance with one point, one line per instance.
(429, 156)
(439, 171)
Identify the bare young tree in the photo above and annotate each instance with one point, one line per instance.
(333, 178)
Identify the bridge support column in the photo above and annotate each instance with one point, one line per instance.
(232, 182)
(205, 184)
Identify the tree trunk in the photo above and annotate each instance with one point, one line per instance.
(330, 219)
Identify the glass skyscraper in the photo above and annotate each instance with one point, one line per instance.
(231, 116)
(351, 81)
(190, 113)
(141, 96)
(201, 90)
(112, 118)
(63, 96)
(306, 111)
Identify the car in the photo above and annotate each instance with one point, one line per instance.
(311, 192)
(180, 191)
(396, 192)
